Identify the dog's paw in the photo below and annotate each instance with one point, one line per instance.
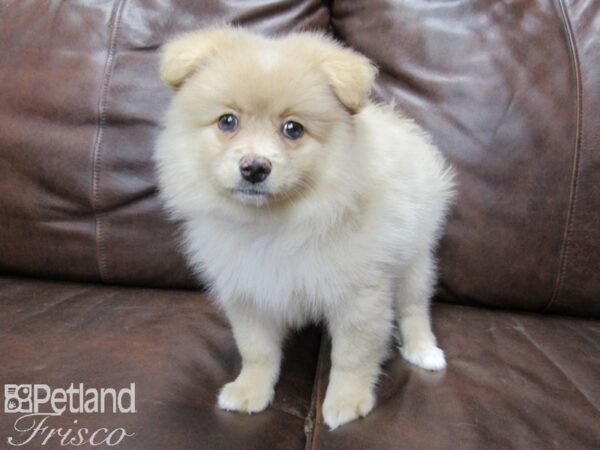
(342, 407)
(427, 356)
(245, 397)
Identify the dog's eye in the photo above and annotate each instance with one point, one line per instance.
(228, 123)
(292, 130)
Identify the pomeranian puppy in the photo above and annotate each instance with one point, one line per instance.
(300, 200)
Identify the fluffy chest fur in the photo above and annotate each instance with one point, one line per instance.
(293, 272)
(364, 226)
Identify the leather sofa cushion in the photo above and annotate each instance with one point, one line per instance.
(81, 107)
(514, 379)
(508, 90)
(173, 345)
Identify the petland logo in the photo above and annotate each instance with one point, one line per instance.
(39, 403)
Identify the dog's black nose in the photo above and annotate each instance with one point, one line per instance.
(255, 168)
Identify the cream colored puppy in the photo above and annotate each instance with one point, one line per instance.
(301, 201)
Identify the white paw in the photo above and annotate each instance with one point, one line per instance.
(339, 408)
(427, 356)
(245, 397)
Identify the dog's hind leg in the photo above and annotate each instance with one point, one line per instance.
(413, 295)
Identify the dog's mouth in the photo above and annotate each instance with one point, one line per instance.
(251, 195)
(251, 192)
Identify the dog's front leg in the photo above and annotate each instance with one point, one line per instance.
(259, 342)
(360, 334)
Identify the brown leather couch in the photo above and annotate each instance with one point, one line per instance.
(94, 289)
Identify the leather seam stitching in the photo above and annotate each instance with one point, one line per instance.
(96, 151)
(568, 231)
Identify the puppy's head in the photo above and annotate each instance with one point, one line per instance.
(263, 120)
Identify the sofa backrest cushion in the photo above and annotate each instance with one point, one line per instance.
(510, 92)
(80, 108)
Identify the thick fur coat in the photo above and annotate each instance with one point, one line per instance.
(342, 230)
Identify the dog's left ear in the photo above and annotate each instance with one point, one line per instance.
(183, 55)
(350, 74)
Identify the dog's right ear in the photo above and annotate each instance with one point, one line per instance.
(182, 56)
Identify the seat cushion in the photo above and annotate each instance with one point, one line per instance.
(173, 345)
(514, 380)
